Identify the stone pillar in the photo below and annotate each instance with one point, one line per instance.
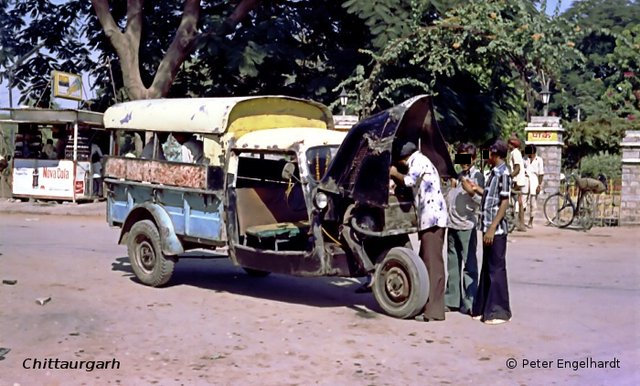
(546, 133)
(630, 195)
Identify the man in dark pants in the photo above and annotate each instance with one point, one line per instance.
(491, 304)
(423, 177)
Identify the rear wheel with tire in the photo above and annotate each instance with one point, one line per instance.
(558, 210)
(149, 264)
(401, 283)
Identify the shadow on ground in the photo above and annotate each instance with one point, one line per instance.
(220, 275)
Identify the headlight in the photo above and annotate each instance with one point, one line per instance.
(321, 200)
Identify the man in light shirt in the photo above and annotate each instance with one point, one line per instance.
(534, 169)
(463, 204)
(423, 177)
(516, 166)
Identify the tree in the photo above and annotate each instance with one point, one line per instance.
(601, 21)
(313, 45)
(127, 43)
(482, 57)
(601, 98)
(39, 36)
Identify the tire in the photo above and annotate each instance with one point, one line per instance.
(558, 210)
(149, 264)
(401, 283)
(256, 272)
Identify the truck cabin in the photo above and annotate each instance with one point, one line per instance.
(277, 171)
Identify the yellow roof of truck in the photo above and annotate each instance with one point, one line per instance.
(236, 115)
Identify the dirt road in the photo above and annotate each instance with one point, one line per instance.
(574, 296)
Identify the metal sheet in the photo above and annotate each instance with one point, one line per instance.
(287, 138)
(216, 115)
(361, 166)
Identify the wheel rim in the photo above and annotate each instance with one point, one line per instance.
(397, 285)
(145, 254)
(558, 210)
(564, 216)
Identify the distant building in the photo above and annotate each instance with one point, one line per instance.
(344, 122)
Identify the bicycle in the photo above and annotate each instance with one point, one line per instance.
(561, 211)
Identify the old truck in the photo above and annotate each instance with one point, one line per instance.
(282, 190)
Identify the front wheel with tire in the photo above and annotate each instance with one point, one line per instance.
(149, 264)
(558, 210)
(401, 283)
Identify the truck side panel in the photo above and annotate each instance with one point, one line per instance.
(194, 213)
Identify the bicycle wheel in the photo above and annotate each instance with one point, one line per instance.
(558, 210)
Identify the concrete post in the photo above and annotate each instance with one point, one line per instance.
(630, 195)
(546, 133)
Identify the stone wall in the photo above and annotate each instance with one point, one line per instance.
(630, 195)
(546, 133)
(552, 157)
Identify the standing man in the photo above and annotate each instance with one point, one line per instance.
(423, 177)
(463, 204)
(516, 165)
(534, 169)
(491, 304)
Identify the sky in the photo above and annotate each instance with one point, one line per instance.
(4, 90)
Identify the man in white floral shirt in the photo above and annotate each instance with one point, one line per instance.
(423, 177)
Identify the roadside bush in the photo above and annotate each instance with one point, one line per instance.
(602, 163)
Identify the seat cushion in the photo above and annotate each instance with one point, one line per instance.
(278, 230)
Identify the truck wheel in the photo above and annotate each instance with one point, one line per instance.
(149, 264)
(401, 283)
(256, 272)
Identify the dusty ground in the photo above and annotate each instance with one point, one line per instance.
(574, 295)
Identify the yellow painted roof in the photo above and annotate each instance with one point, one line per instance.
(286, 138)
(199, 115)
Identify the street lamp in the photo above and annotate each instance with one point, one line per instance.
(344, 98)
(546, 95)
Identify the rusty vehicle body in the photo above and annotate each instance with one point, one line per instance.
(301, 200)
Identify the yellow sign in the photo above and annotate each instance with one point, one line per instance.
(542, 136)
(66, 85)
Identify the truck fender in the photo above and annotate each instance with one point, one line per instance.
(171, 245)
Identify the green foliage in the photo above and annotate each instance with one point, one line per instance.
(594, 135)
(39, 36)
(389, 20)
(302, 48)
(482, 60)
(609, 165)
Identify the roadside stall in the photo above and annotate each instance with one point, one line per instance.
(53, 153)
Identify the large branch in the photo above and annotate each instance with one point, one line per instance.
(239, 13)
(109, 25)
(178, 50)
(134, 22)
(133, 32)
(124, 43)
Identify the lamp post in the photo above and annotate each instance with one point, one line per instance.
(546, 95)
(344, 98)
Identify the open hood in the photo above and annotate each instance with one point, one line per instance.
(361, 166)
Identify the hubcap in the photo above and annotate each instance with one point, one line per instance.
(146, 255)
(397, 284)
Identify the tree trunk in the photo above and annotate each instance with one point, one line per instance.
(127, 43)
